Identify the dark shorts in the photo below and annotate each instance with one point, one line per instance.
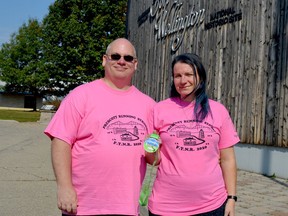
(217, 212)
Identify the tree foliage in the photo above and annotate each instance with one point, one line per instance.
(21, 60)
(76, 34)
(65, 49)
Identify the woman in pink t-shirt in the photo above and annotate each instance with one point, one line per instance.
(197, 167)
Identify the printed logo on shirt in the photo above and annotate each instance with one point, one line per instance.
(190, 135)
(126, 130)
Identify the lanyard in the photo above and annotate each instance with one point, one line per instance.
(146, 189)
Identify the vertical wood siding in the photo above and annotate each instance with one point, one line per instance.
(246, 60)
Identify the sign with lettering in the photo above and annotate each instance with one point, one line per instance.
(168, 19)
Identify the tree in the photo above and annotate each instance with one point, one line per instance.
(76, 33)
(21, 61)
(65, 49)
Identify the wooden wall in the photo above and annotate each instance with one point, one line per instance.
(243, 45)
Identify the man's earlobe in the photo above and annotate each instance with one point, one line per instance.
(104, 61)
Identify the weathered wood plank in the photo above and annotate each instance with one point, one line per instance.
(243, 45)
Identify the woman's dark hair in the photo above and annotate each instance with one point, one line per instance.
(202, 107)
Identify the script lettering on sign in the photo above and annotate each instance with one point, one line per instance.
(169, 21)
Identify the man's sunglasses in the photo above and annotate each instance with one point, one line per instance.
(116, 57)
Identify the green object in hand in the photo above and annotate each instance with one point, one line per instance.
(151, 144)
(146, 188)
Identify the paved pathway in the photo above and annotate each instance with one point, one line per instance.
(258, 195)
(27, 183)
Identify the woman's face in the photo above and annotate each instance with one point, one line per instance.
(185, 80)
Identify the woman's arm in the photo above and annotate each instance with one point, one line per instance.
(229, 170)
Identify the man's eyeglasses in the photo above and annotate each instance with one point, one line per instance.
(116, 57)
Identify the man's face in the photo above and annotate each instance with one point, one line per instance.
(120, 61)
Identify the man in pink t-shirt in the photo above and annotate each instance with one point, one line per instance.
(97, 136)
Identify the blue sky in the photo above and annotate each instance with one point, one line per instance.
(14, 13)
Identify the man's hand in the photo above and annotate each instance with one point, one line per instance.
(67, 199)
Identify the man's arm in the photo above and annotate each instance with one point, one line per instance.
(61, 161)
(153, 158)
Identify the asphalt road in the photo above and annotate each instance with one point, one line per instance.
(28, 188)
(27, 183)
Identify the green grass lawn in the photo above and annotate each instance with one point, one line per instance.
(19, 115)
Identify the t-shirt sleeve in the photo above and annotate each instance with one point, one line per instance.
(229, 136)
(151, 117)
(65, 123)
(156, 123)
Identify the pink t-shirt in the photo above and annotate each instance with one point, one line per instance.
(189, 179)
(106, 129)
